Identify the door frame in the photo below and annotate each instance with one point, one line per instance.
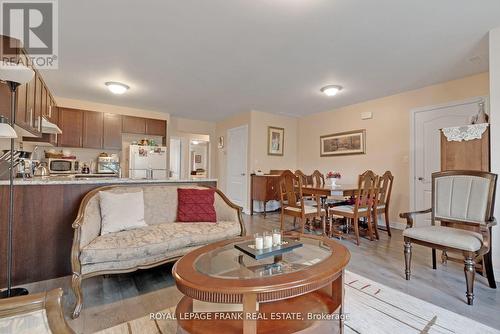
(246, 178)
(433, 108)
(180, 155)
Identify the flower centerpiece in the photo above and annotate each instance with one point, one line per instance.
(333, 176)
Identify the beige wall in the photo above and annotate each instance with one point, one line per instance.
(259, 159)
(187, 130)
(387, 134)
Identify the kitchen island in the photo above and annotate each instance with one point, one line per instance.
(44, 209)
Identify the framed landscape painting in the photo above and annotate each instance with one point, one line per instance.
(275, 140)
(343, 143)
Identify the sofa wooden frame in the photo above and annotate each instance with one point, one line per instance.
(78, 277)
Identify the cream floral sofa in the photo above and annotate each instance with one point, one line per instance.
(162, 241)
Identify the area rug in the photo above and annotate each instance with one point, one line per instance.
(371, 308)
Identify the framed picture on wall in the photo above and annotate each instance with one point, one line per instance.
(197, 158)
(275, 140)
(343, 143)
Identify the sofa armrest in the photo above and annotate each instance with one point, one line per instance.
(227, 210)
(87, 226)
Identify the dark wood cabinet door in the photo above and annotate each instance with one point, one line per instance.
(30, 102)
(71, 124)
(38, 103)
(131, 124)
(45, 103)
(21, 112)
(92, 129)
(53, 112)
(4, 100)
(112, 136)
(156, 127)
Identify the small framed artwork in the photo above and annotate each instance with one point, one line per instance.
(343, 143)
(221, 142)
(197, 158)
(275, 140)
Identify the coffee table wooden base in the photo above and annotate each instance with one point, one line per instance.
(316, 302)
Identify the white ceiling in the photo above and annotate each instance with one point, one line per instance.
(209, 59)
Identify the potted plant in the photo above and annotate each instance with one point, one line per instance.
(333, 177)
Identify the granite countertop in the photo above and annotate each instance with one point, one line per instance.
(94, 180)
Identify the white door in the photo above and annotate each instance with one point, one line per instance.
(236, 173)
(427, 123)
(175, 158)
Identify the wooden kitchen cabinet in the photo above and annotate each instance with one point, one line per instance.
(156, 127)
(30, 103)
(132, 124)
(112, 133)
(37, 115)
(92, 132)
(71, 124)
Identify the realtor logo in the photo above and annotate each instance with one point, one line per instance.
(34, 23)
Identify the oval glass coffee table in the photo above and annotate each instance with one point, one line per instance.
(300, 291)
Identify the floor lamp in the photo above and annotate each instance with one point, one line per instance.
(14, 75)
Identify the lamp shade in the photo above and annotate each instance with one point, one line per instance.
(6, 131)
(13, 72)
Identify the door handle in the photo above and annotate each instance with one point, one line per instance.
(243, 174)
(420, 178)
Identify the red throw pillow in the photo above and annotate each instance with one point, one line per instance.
(196, 205)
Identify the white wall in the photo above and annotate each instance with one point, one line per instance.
(495, 135)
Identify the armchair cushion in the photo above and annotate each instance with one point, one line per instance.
(446, 236)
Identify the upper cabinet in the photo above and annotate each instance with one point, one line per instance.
(133, 124)
(71, 124)
(156, 127)
(92, 129)
(112, 136)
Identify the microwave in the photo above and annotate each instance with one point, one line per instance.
(63, 166)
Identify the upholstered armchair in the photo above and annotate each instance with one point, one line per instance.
(463, 203)
(38, 313)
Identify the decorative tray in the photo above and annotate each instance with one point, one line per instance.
(248, 248)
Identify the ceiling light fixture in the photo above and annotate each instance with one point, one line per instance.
(331, 90)
(117, 87)
(195, 142)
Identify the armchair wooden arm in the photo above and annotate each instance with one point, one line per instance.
(410, 216)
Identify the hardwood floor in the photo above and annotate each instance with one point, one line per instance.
(116, 299)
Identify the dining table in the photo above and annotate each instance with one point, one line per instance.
(327, 190)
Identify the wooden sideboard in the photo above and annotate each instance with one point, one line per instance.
(264, 188)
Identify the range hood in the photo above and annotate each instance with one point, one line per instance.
(49, 127)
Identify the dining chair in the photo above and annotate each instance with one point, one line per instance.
(303, 177)
(464, 198)
(36, 313)
(292, 202)
(383, 198)
(318, 179)
(363, 204)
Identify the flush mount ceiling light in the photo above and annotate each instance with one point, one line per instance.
(331, 90)
(117, 87)
(195, 142)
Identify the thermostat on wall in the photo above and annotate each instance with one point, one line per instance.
(367, 115)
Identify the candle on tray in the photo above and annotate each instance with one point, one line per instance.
(259, 241)
(276, 237)
(268, 240)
